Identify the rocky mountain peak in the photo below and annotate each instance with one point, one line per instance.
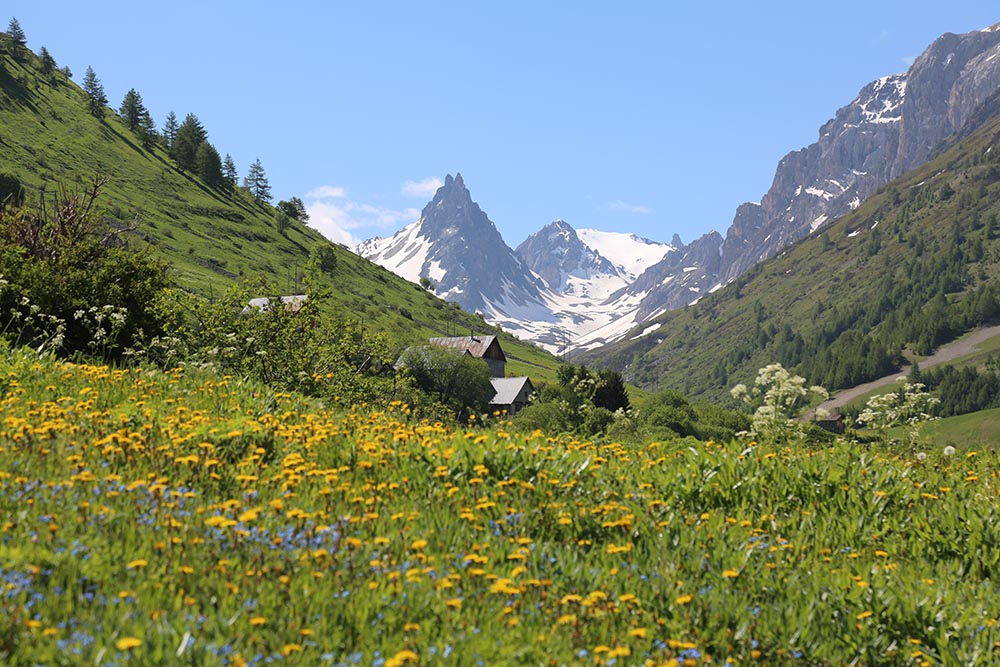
(555, 252)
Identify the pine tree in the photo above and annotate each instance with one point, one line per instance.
(95, 91)
(48, 62)
(132, 109)
(18, 41)
(256, 182)
(190, 135)
(208, 164)
(147, 130)
(170, 130)
(229, 171)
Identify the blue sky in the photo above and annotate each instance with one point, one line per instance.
(651, 117)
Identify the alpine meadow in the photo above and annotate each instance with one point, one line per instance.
(227, 440)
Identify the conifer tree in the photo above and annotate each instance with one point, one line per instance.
(95, 92)
(18, 41)
(190, 135)
(48, 62)
(208, 164)
(147, 130)
(132, 109)
(229, 171)
(170, 127)
(256, 182)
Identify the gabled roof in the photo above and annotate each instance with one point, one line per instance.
(292, 302)
(474, 345)
(507, 389)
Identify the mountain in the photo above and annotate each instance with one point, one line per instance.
(458, 248)
(892, 126)
(911, 268)
(555, 288)
(212, 237)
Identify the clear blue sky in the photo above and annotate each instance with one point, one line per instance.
(653, 117)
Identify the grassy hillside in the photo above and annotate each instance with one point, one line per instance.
(210, 237)
(913, 267)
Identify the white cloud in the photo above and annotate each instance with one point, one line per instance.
(619, 205)
(424, 188)
(327, 192)
(345, 221)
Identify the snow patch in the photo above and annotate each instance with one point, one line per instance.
(815, 224)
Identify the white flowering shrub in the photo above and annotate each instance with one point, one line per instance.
(779, 396)
(910, 405)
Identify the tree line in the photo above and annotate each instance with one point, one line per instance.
(186, 141)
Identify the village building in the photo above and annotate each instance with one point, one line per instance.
(512, 393)
(293, 303)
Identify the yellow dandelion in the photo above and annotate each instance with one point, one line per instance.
(137, 564)
(258, 620)
(730, 574)
(128, 643)
(865, 614)
(684, 599)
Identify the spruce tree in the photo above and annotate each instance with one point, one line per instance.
(147, 130)
(95, 92)
(170, 130)
(208, 164)
(48, 62)
(256, 182)
(190, 135)
(18, 41)
(229, 171)
(132, 109)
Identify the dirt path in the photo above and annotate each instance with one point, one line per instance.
(948, 352)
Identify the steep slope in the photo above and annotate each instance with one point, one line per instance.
(211, 237)
(891, 127)
(911, 268)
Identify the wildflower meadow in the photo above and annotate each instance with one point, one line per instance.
(183, 517)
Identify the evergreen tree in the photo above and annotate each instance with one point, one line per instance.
(256, 182)
(147, 130)
(190, 135)
(208, 164)
(294, 208)
(170, 131)
(48, 62)
(17, 39)
(95, 92)
(229, 171)
(132, 109)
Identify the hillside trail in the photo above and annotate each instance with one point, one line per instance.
(947, 352)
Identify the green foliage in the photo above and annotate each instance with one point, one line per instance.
(250, 518)
(912, 268)
(96, 99)
(455, 379)
(323, 258)
(68, 284)
(170, 129)
(47, 62)
(294, 208)
(908, 405)
(208, 165)
(584, 402)
(778, 397)
(962, 390)
(211, 238)
(184, 148)
(11, 191)
(288, 346)
(256, 182)
(229, 173)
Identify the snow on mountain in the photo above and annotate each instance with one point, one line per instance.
(630, 253)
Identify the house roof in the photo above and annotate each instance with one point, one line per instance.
(293, 302)
(474, 345)
(507, 389)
